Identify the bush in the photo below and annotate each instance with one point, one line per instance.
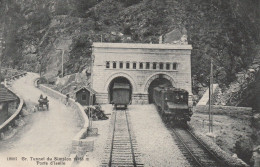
(43, 80)
(81, 6)
(244, 149)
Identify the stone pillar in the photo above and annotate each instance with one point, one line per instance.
(117, 65)
(140, 98)
(110, 64)
(157, 66)
(131, 65)
(145, 99)
(102, 98)
(171, 65)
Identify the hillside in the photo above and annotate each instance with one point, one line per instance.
(36, 31)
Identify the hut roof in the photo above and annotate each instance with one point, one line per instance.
(87, 88)
(6, 95)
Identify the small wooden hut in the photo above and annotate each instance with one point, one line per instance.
(85, 96)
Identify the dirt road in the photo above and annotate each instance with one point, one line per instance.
(45, 133)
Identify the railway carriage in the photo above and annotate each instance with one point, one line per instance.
(172, 103)
(121, 95)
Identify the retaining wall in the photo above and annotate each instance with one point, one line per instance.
(79, 143)
(239, 112)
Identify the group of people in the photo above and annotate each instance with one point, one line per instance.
(43, 99)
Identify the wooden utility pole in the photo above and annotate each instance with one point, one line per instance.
(209, 109)
(1, 52)
(210, 97)
(62, 54)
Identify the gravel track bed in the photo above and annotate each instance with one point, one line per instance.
(231, 161)
(227, 131)
(154, 140)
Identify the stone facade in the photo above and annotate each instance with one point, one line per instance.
(140, 64)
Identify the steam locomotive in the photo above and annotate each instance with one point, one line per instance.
(172, 103)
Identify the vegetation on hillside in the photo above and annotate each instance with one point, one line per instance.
(227, 31)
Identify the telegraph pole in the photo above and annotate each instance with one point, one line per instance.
(63, 49)
(62, 54)
(1, 52)
(210, 97)
(211, 87)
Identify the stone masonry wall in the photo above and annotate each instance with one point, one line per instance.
(239, 112)
(140, 78)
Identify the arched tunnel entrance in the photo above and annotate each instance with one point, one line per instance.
(121, 80)
(156, 82)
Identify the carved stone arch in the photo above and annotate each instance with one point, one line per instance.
(120, 74)
(155, 76)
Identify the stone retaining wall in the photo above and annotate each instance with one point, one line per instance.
(239, 112)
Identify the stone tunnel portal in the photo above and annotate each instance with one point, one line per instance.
(157, 82)
(118, 80)
(143, 66)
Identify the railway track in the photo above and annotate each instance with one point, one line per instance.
(121, 147)
(194, 150)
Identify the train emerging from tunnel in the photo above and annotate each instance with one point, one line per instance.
(121, 95)
(173, 104)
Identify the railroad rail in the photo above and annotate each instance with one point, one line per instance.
(121, 147)
(194, 150)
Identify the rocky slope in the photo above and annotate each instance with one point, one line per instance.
(36, 31)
